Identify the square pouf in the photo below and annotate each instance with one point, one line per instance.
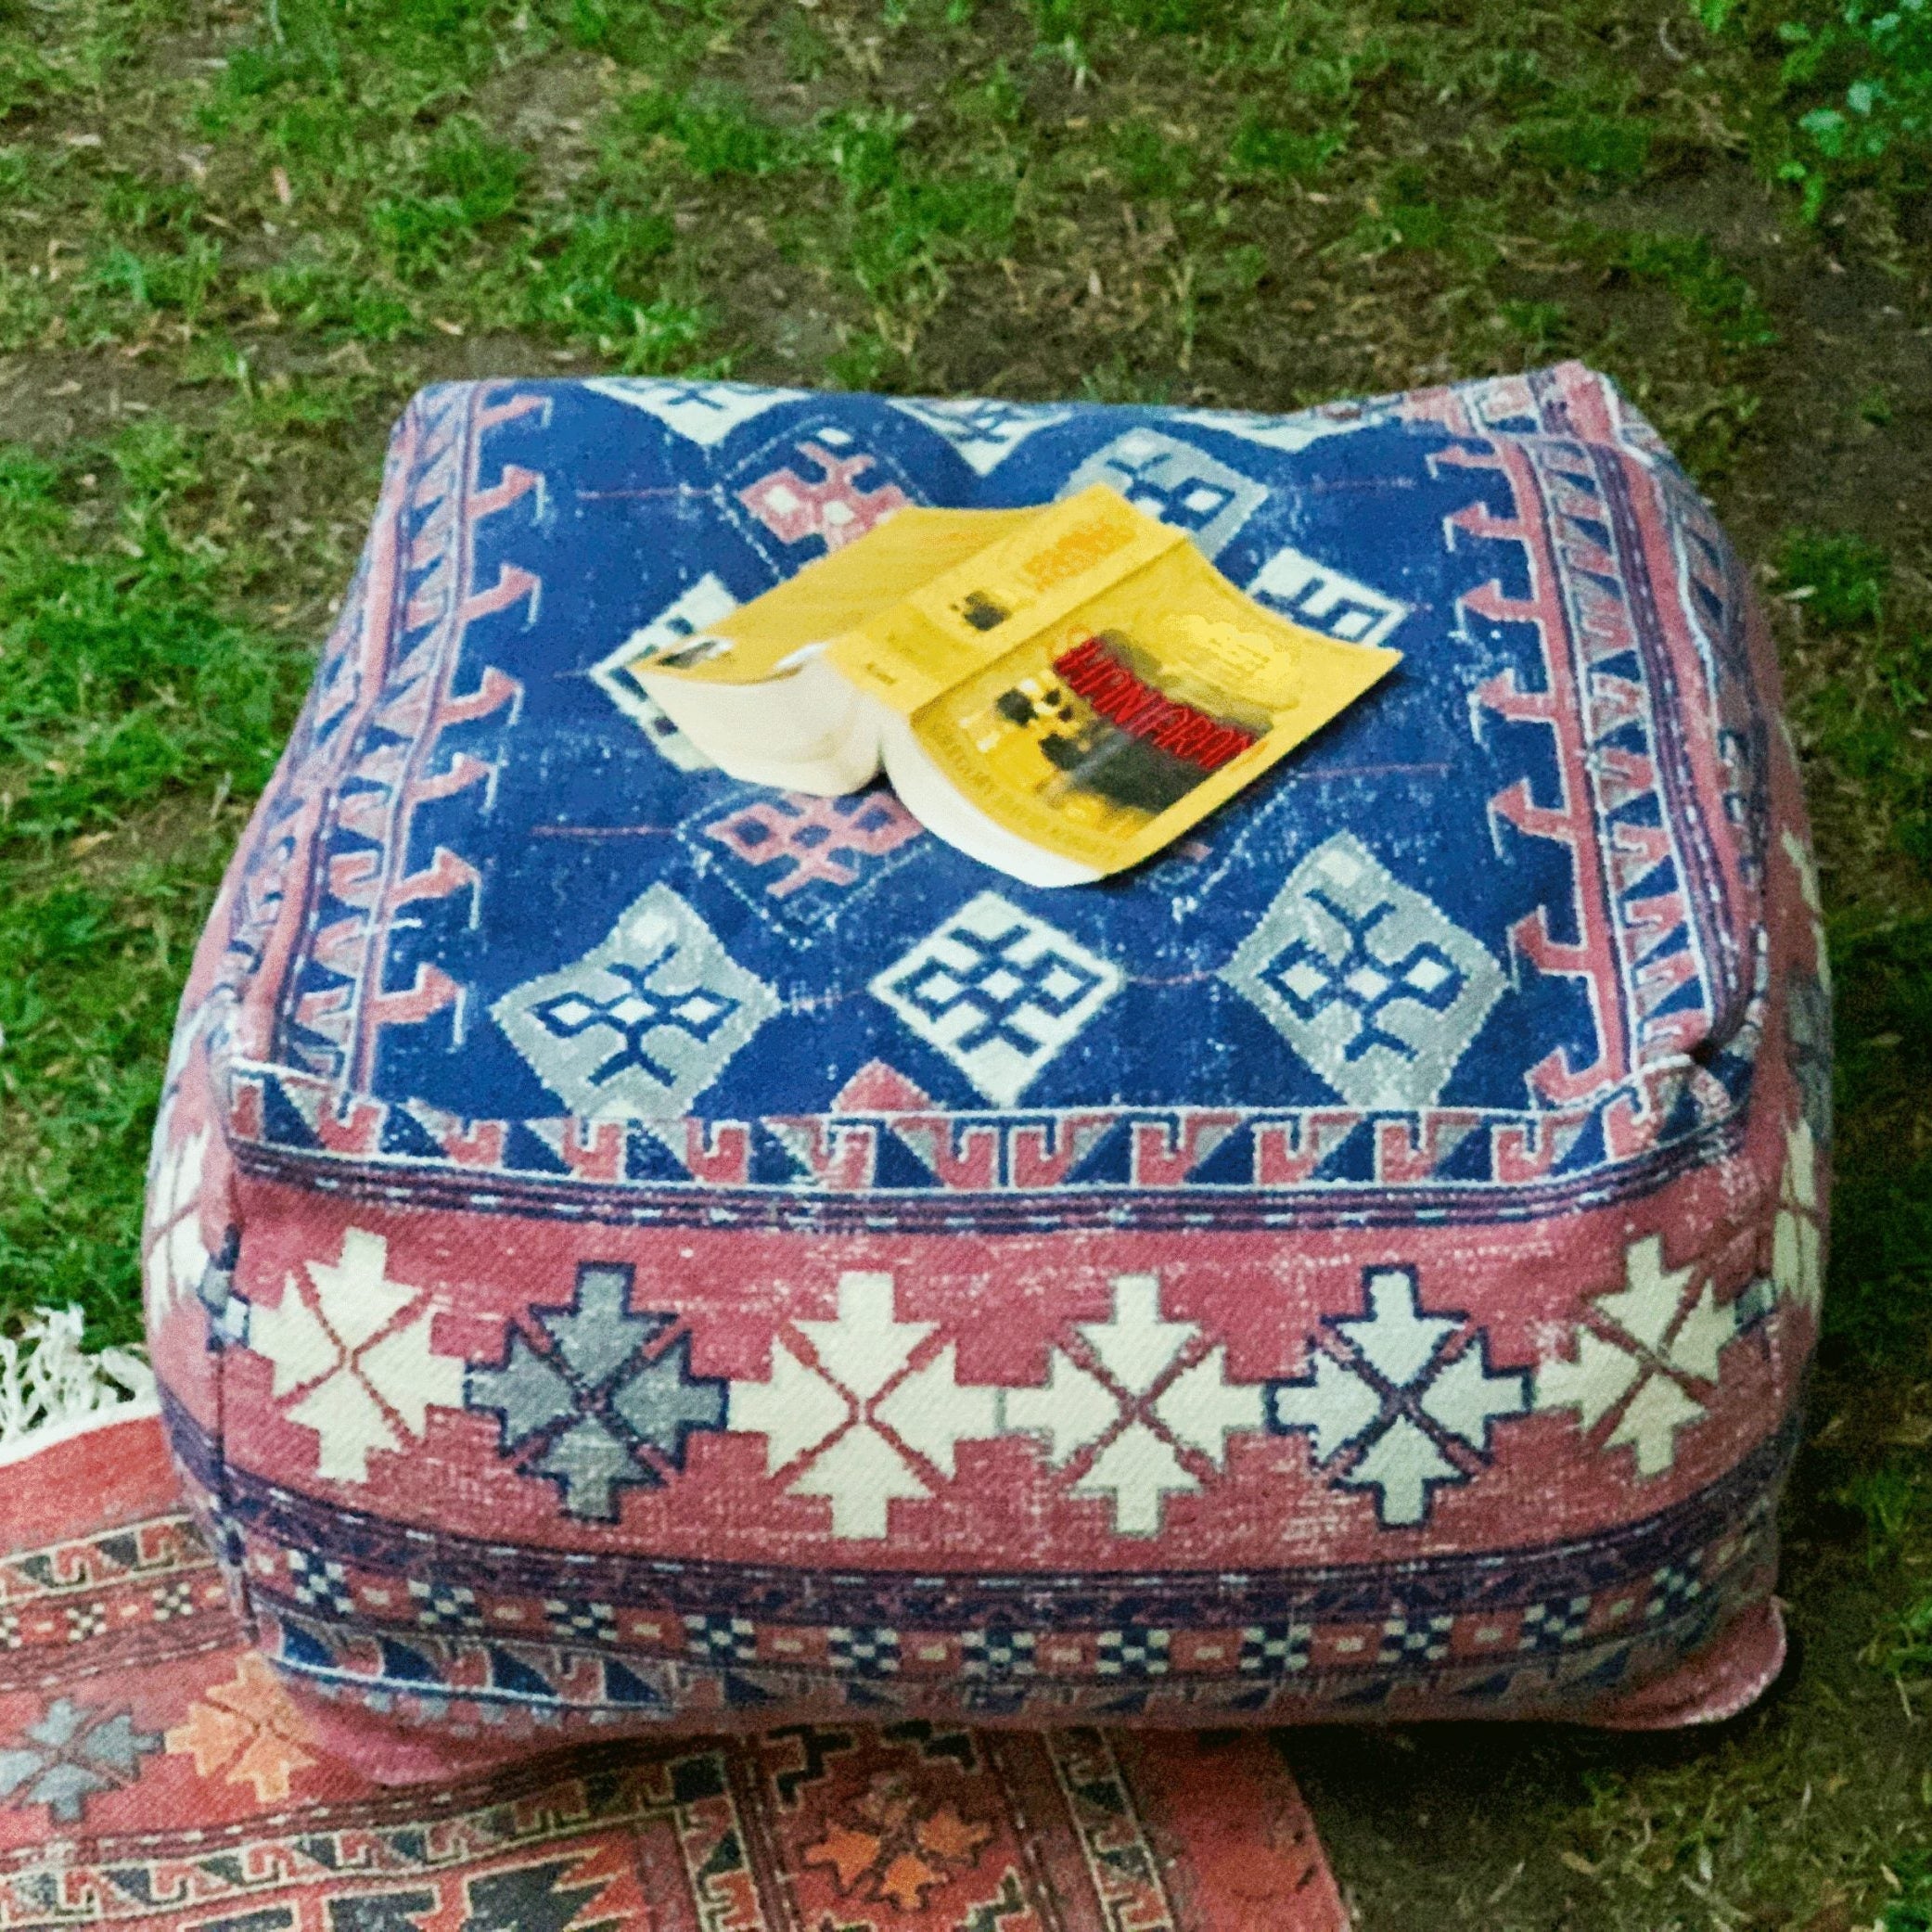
(627, 1248)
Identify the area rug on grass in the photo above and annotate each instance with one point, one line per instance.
(153, 1772)
(628, 1248)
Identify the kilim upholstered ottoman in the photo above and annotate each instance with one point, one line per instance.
(628, 1248)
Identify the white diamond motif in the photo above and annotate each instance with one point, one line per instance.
(1325, 599)
(985, 432)
(645, 1020)
(1365, 978)
(694, 610)
(1647, 1353)
(176, 1254)
(998, 992)
(703, 412)
(1292, 433)
(1798, 1247)
(1175, 482)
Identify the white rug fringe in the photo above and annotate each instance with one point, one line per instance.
(51, 1386)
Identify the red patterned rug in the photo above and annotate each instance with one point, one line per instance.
(153, 1773)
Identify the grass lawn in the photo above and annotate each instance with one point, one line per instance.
(233, 240)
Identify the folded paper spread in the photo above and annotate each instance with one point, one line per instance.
(1060, 692)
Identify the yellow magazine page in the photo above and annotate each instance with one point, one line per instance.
(1112, 730)
(834, 594)
(1051, 560)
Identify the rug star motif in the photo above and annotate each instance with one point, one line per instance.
(1797, 1247)
(1399, 1399)
(1139, 1409)
(354, 1348)
(1649, 1354)
(70, 1753)
(893, 1852)
(247, 1728)
(868, 1412)
(598, 1400)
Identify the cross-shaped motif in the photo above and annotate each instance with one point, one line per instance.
(1399, 1399)
(864, 1408)
(71, 1752)
(833, 507)
(176, 1255)
(601, 1400)
(355, 1356)
(1649, 1354)
(1136, 1408)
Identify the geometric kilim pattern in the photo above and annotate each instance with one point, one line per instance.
(998, 992)
(644, 1021)
(603, 1400)
(864, 1410)
(1648, 1354)
(1365, 978)
(1176, 482)
(164, 1779)
(984, 433)
(1398, 1401)
(71, 1752)
(631, 1253)
(354, 1356)
(1136, 1408)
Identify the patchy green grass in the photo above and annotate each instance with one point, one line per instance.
(234, 237)
(134, 708)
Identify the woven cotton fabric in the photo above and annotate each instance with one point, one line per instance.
(155, 1774)
(626, 1247)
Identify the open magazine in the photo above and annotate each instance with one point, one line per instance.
(1059, 692)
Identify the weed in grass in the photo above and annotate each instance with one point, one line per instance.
(1867, 719)
(181, 281)
(1264, 146)
(1608, 149)
(713, 130)
(592, 279)
(1873, 64)
(1709, 293)
(1882, 1235)
(468, 181)
(1842, 579)
(1543, 327)
(1084, 21)
(806, 50)
(1149, 163)
(906, 223)
(122, 678)
(1911, 1909)
(641, 34)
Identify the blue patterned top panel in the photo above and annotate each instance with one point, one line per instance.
(1514, 879)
